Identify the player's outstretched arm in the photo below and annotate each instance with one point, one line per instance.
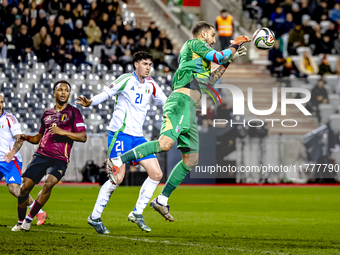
(33, 139)
(83, 101)
(77, 137)
(219, 71)
(19, 140)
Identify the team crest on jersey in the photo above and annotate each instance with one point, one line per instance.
(147, 91)
(177, 129)
(64, 117)
(2, 126)
(111, 86)
(208, 46)
(133, 88)
(48, 118)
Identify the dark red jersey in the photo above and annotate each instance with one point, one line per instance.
(57, 146)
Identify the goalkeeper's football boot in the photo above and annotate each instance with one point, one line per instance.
(41, 218)
(112, 169)
(25, 225)
(17, 227)
(138, 219)
(98, 225)
(162, 209)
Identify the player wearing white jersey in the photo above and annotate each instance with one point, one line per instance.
(132, 92)
(10, 158)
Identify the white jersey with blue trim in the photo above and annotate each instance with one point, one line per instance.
(9, 127)
(132, 99)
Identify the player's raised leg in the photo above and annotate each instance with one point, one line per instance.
(150, 184)
(103, 198)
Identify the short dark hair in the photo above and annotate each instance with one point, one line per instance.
(224, 10)
(139, 55)
(202, 25)
(61, 81)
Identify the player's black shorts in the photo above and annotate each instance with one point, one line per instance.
(41, 165)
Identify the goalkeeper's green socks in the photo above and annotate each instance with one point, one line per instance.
(141, 151)
(176, 177)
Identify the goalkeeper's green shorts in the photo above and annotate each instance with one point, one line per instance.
(179, 122)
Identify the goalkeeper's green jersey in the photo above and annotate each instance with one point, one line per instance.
(193, 64)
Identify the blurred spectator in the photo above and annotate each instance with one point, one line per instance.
(142, 45)
(56, 36)
(47, 54)
(23, 42)
(277, 18)
(157, 52)
(148, 37)
(66, 30)
(165, 43)
(326, 45)
(9, 41)
(224, 111)
(116, 7)
(296, 13)
(50, 25)
(224, 26)
(113, 32)
(61, 50)
(93, 33)
(33, 29)
(132, 47)
(268, 9)
(104, 24)
(119, 24)
(126, 58)
(111, 12)
(324, 67)
(16, 27)
(285, 27)
(334, 14)
(78, 56)
(25, 18)
(127, 31)
(108, 53)
(33, 10)
(337, 66)
(319, 96)
(68, 15)
(5, 13)
(3, 51)
(296, 39)
(332, 31)
(138, 31)
(41, 20)
(154, 30)
(78, 13)
(79, 32)
(322, 9)
(275, 56)
(307, 65)
(39, 38)
(287, 6)
(54, 7)
(94, 12)
(315, 40)
(306, 27)
(290, 68)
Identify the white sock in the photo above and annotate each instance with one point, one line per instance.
(31, 205)
(145, 194)
(103, 198)
(163, 200)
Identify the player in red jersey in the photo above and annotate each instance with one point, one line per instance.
(60, 127)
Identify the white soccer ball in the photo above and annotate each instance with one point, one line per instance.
(264, 38)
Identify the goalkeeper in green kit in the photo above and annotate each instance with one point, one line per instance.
(179, 120)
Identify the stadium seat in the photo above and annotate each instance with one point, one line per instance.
(30, 78)
(129, 68)
(334, 121)
(38, 109)
(30, 119)
(102, 128)
(334, 100)
(101, 70)
(117, 70)
(62, 76)
(77, 79)
(22, 88)
(30, 99)
(15, 99)
(22, 109)
(84, 70)
(325, 111)
(108, 79)
(8, 107)
(93, 79)
(56, 70)
(90, 129)
(2, 78)
(7, 89)
(313, 78)
(93, 60)
(30, 60)
(85, 111)
(70, 69)
(9, 69)
(332, 80)
(22, 69)
(39, 68)
(15, 79)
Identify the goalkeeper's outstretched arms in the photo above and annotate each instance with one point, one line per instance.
(223, 57)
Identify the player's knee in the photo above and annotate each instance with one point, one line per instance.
(191, 161)
(14, 190)
(166, 146)
(24, 190)
(157, 176)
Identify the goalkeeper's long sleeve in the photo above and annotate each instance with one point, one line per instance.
(219, 57)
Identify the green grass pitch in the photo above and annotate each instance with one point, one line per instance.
(208, 220)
